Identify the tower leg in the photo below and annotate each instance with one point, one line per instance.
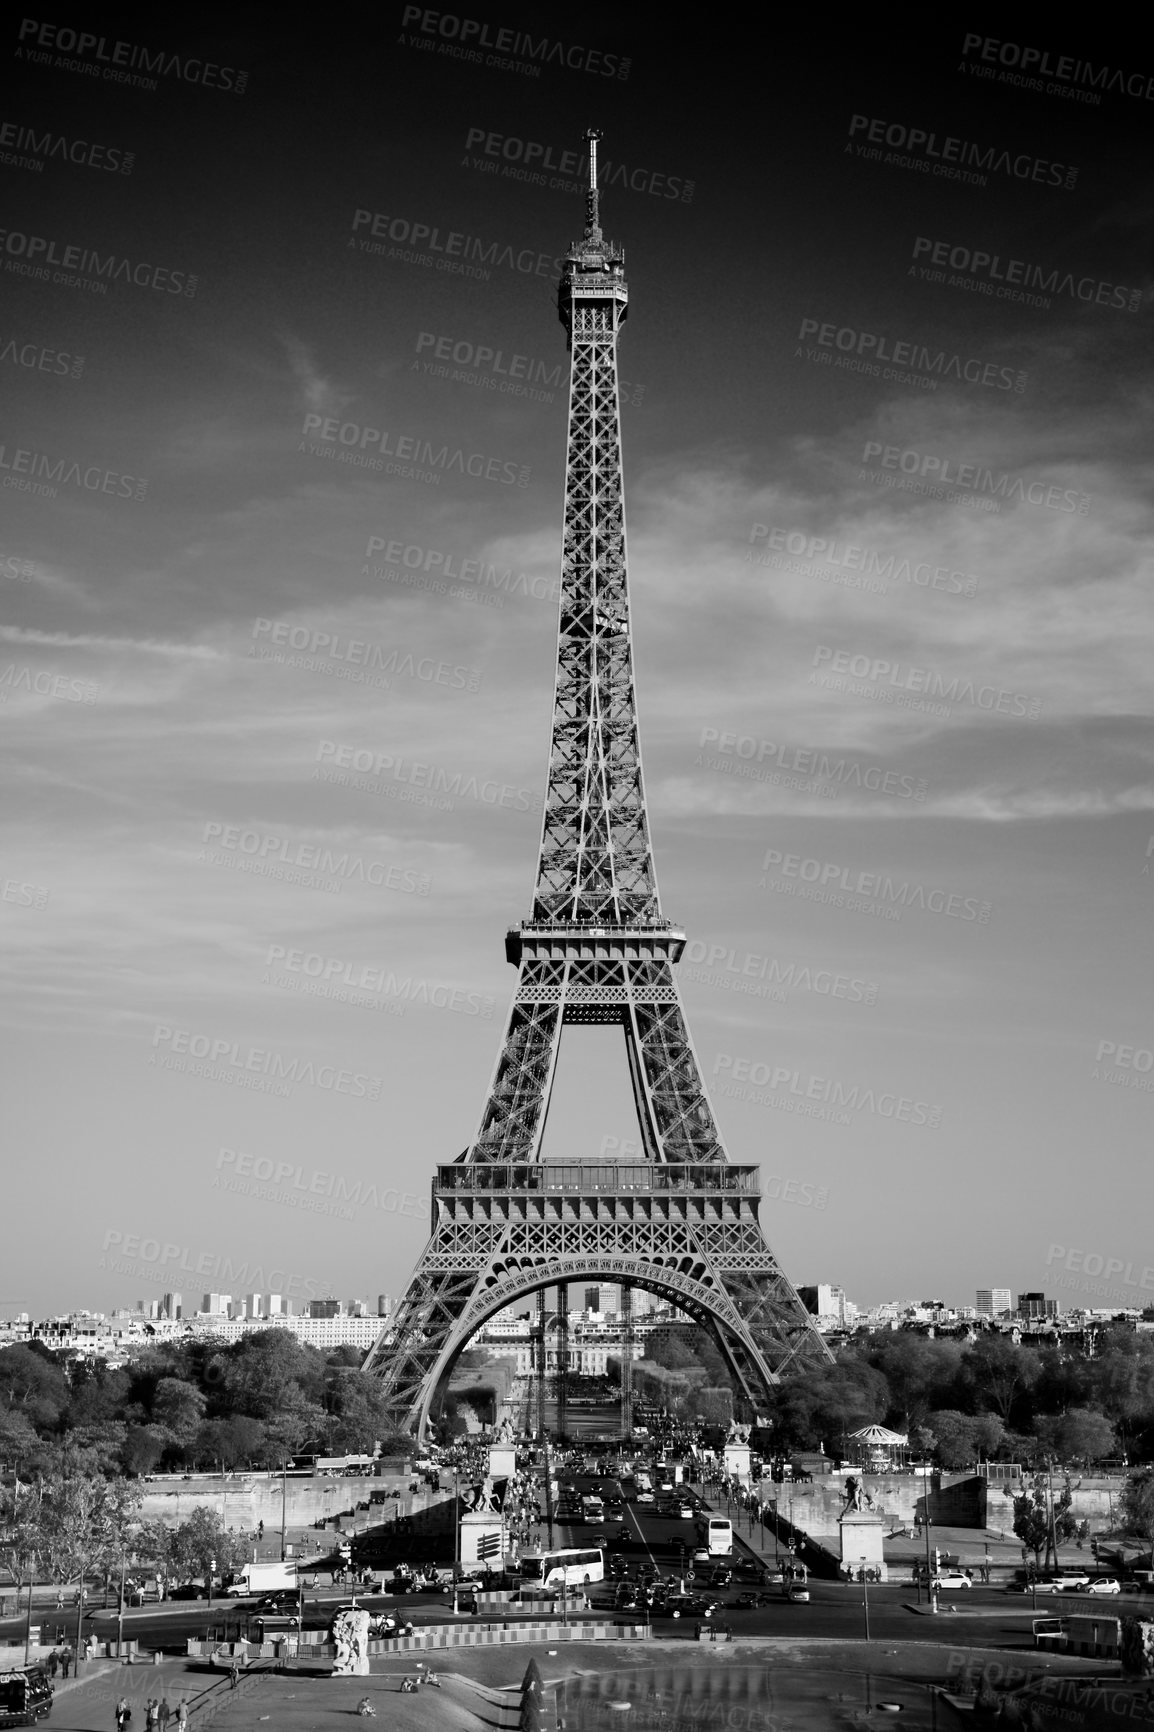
(562, 1359)
(626, 1360)
(541, 1387)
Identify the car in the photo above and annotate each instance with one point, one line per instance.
(645, 1497)
(748, 1601)
(721, 1577)
(798, 1596)
(281, 1602)
(188, 1591)
(950, 1579)
(749, 1569)
(1103, 1585)
(1076, 1583)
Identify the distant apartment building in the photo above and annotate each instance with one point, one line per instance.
(829, 1305)
(1036, 1308)
(993, 1301)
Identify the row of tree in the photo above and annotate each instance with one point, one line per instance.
(957, 1401)
(187, 1405)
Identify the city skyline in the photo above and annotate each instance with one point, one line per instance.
(970, 1075)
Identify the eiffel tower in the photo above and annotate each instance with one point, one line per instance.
(679, 1221)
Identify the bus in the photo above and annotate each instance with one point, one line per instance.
(715, 1535)
(592, 1509)
(568, 1566)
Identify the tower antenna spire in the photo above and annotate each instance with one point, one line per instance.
(592, 206)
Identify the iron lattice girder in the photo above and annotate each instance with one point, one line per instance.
(596, 861)
(600, 975)
(683, 1222)
(695, 1240)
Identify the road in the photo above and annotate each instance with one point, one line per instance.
(989, 1617)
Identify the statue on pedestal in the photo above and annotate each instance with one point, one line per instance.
(350, 1634)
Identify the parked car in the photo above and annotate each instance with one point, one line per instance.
(1074, 1584)
(1103, 1585)
(188, 1591)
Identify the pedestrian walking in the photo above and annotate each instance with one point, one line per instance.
(65, 1662)
(123, 1714)
(164, 1714)
(53, 1663)
(151, 1712)
(182, 1716)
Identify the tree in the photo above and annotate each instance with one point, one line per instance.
(21, 1524)
(1000, 1371)
(202, 1546)
(19, 1439)
(33, 1383)
(1136, 1505)
(86, 1522)
(143, 1447)
(178, 1408)
(1032, 1521)
(951, 1435)
(231, 1443)
(1081, 1435)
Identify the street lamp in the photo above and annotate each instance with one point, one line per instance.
(865, 1595)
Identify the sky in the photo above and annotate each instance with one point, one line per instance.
(282, 455)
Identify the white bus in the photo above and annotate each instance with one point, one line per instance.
(715, 1535)
(570, 1565)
